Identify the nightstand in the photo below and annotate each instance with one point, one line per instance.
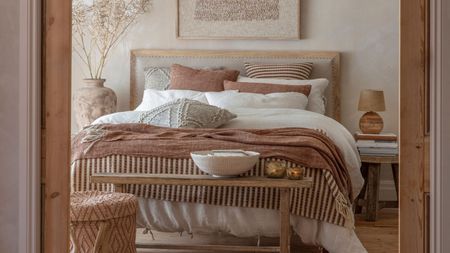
(369, 196)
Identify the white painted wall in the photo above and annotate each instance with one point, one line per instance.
(9, 125)
(366, 32)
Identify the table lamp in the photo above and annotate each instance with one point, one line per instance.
(371, 101)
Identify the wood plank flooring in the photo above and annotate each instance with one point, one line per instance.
(378, 237)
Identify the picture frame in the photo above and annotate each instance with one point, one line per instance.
(238, 20)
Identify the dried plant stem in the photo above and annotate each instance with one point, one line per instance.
(99, 26)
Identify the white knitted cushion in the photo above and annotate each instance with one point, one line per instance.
(186, 113)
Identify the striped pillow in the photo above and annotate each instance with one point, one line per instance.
(300, 71)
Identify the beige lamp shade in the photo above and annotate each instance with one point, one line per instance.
(371, 100)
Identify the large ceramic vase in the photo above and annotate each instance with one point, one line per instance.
(92, 101)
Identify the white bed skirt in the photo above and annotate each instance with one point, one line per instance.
(165, 216)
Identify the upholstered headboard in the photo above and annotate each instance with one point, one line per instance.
(326, 65)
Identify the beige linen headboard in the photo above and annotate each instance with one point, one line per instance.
(326, 65)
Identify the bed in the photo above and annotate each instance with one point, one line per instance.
(322, 216)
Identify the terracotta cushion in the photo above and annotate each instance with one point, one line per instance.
(266, 88)
(185, 78)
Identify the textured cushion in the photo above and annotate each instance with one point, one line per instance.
(154, 98)
(266, 88)
(280, 71)
(229, 100)
(96, 205)
(185, 78)
(186, 113)
(157, 78)
(316, 98)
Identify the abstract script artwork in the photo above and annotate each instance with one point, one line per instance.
(238, 19)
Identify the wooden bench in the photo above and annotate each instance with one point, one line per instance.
(285, 186)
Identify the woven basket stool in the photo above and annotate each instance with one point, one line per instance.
(102, 222)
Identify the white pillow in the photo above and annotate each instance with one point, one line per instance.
(227, 100)
(154, 98)
(316, 99)
(119, 118)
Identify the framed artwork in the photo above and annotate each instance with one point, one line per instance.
(238, 19)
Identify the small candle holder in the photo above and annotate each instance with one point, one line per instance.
(295, 173)
(275, 170)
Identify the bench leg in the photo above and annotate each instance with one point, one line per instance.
(285, 224)
(373, 186)
(100, 245)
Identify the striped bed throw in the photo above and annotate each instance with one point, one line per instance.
(322, 202)
(300, 71)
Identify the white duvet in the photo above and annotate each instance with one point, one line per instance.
(245, 222)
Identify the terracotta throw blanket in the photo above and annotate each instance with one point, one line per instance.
(299, 146)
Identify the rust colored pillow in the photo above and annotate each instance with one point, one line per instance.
(185, 78)
(266, 88)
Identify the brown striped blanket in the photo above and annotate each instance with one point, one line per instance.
(137, 148)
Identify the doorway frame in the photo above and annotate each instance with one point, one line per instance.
(56, 94)
(55, 125)
(414, 133)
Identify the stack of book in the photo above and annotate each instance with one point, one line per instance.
(384, 144)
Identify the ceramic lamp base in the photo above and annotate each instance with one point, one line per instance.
(371, 123)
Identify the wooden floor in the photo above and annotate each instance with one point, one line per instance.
(378, 237)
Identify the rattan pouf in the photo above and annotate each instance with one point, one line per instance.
(103, 222)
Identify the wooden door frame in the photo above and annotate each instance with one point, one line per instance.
(414, 139)
(56, 124)
(56, 94)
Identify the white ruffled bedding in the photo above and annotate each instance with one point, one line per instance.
(175, 217)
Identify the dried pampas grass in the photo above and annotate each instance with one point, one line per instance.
(98, 25)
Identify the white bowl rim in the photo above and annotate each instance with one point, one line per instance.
(207, 153)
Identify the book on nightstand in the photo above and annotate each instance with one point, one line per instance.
(384, 144)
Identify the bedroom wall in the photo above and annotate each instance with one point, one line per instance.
(9, 125)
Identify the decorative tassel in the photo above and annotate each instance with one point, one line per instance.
(321, 131)
(345, 209)
(94, 133)
(148, 231)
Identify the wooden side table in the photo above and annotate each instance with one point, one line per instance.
(369, 196)
(285, 186)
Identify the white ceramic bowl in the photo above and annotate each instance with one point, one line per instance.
(225, 163)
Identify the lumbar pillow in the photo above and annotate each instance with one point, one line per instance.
(300, 71)
(186, 113)
(157, 78)
(229, 100)
(266, 88)
(154, 98)
(316, 98)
